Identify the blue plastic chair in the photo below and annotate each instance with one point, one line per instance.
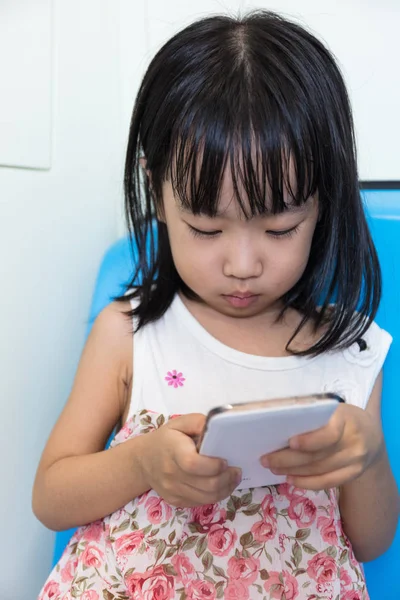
(383, 210)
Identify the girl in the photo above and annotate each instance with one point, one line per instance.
(258, 279)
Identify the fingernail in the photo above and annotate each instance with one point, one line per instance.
(238, 477)
(265, 461)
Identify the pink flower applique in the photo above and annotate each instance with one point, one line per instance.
(174, 378)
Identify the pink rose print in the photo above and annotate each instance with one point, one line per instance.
(321, 568)
(143, 498)
(92, 556)
(93, 532)
(174, 378)
(327, 528)
(51, 590)
(263, 530)
(207, 515)
(150, 585)
(282, 585)
(68, 571)
(158, 510)
(352, 595)
(221, 540)
(119, 514)
(126, 431)
(236, 590)
(287, 490)
(302, 510)
(90, 595)
(345, 580)
(268, 508)
(326, 589)
(200, 590)
(282, 538)
(183, 567)
(128, 543)
(245, 569)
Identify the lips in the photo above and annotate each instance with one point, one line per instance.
(241, 299)
(241, 295)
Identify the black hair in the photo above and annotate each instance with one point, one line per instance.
(250, 93)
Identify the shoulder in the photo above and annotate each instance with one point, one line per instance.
(114, 321)
(370, 349)
(113, 331)
(353, 372)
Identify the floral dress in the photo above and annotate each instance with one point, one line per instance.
(276, 542)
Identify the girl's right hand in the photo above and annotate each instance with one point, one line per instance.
(173, 468)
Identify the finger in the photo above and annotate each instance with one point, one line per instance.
(191, 424)
(322, 438)
(191, 463)
(288, 459)
(326, 481)
(185, 454)
(214, 489)
(328, 464)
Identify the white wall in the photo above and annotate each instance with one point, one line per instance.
(54, 228)
(23, 25)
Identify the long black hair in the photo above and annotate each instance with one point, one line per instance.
(250, 94)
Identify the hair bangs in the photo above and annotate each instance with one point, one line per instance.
(272, 161)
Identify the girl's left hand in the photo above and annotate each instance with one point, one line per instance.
(332, 455)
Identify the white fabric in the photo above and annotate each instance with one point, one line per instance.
(213, 374)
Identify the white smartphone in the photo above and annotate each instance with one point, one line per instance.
(242, 433)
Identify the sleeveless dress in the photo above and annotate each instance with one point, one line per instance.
(274, 542)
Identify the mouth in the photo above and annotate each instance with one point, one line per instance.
(241, 295)
(241, 299)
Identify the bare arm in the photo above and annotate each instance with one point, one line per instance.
(77, 481)
(370, 504)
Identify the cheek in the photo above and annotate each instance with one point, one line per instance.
(193, 260)
(292, 260)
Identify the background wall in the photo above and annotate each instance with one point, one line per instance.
(60, 205)
(54, 227)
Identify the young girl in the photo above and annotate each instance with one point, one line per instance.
(259, 280)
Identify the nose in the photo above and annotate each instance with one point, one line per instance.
(242, 260)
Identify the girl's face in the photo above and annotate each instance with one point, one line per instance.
(239, 267)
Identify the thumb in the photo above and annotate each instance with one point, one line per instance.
(191, 424)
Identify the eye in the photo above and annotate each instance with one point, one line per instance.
(284, 233)
(199, 233)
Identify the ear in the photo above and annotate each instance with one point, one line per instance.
(143, 164)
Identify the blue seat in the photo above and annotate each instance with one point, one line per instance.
(383, 210)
